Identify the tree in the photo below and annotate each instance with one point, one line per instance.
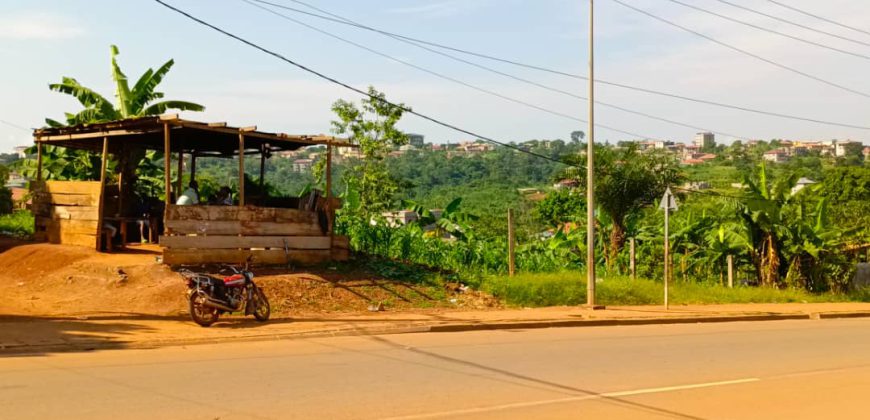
(6, 204)
(625, 182)
(371, 126)
(129, 103)
(576, 136)
(560, 206)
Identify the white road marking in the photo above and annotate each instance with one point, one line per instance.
(573, 399)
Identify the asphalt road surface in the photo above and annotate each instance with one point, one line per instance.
(764, 370)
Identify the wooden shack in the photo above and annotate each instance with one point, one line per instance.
(271, 230)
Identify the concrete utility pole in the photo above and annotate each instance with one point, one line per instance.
(668, 203)
(590, 168)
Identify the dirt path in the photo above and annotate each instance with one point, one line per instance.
(45, 280)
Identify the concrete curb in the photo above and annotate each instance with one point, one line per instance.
(23, 349)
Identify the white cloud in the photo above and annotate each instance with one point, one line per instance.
(38, 26)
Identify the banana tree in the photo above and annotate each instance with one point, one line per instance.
(762, 213)
(812, 248)
(727, 239)
(453, 220)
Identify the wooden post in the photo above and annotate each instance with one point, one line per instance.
(330, 211)
(631, 260)
(179, 185)
(102, 194)
(730, 271)
(167, 180)
(511, 250)
(120, 209)
(38, 160)
(262, 172)
(193, 165)
(241, 169)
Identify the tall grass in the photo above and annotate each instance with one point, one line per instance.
(18, 224)
(569, 288)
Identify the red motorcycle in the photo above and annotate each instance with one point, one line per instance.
(209, 296)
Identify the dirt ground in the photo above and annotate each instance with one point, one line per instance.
(47, 280)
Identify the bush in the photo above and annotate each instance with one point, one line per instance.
(18, 224)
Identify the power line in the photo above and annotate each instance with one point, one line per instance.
(562, 73)
(16, 126)
(819, 17)
(799, 25)
(742, 51)
(441, 75)
(508, 75)
(357, 90)
(761, 28)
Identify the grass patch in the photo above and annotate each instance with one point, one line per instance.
(569, 288)
(18, 224)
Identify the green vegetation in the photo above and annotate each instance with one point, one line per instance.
(18, 224)
(569, 288)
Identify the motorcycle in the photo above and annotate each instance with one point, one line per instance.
(209, 297)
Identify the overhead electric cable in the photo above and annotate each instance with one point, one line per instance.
(761, 28)
(445, 77)
(742, 51)
(799, 25)
(822, 18)
(338, 19)
(15, 126)
(354, 89)
(517, 78)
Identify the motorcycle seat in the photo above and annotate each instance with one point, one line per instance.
(235, 280)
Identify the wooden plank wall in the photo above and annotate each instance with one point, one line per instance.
(66, 212)
(229, 234)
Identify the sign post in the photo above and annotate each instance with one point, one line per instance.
(668, 203)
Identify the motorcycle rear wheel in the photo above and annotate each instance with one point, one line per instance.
(201, 314)
(262, 310)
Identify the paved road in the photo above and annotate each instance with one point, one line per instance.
(765, 370)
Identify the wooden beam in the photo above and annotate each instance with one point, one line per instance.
(167, 154)
(248, 128)
(39, 161)
(236, 256)
(237, 242)
(217, 124)
(237, 214)
(169, 117)
(102, 193)
(195, 227)
(241, 169)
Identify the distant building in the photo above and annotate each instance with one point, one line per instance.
(776, 156)
(842, 147)
(302, 165)
(801, 184)
(20, 151)
(566, 184)
(705, 140)
(416, 140)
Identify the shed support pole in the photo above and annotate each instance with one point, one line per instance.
(167, 180)
(193, 165)
(179, 186)
(329, 210)
(102, 204)
(241, 170)
(38, 160)
(262, 174)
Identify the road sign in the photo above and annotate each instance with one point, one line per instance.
(668, 202)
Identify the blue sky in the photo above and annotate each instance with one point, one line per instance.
(42, 40)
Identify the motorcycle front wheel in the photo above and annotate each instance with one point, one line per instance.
(201, 314)
(262, 309)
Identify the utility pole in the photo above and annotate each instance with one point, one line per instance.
(668, 203)
(511, 241)
(590, 168)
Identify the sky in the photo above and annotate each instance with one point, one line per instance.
(44, 40)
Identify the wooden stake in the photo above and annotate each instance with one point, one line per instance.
(100, 210)
(511, 250)
(631, 259)
(262, 173)
(730, 271)
(241, 169)
(193, 166)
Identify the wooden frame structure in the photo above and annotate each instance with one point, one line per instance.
(74, 212)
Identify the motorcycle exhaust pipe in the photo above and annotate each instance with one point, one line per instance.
(212, 303)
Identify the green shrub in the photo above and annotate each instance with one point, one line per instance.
(18, 224)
